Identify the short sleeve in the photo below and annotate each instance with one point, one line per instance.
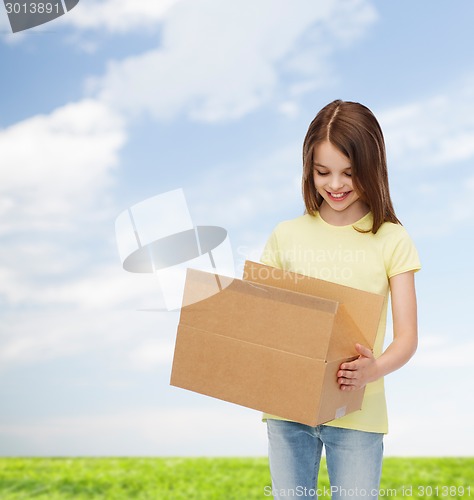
(271, 252)
(401, 256)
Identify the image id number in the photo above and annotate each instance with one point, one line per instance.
(444, 491)
(33, 8)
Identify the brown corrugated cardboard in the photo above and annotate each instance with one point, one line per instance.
(273, 341)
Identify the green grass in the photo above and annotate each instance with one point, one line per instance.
(208, 478)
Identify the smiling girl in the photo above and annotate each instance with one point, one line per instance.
(349, 219)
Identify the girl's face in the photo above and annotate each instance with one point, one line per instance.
(333, 181)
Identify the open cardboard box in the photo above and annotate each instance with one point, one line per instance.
(273, 341)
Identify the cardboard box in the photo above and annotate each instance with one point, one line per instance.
(273, 341)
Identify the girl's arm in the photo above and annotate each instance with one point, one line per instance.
(356, 374)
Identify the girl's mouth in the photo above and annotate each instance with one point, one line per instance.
(338, 196)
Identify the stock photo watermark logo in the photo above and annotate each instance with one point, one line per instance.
(27, 14)
(157, 236)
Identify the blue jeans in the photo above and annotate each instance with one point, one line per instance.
(354, 461)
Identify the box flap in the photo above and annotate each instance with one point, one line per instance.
(292, 322)
(345, 336)
(363, 307)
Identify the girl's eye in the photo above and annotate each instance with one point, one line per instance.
(349, 174)
(321, 173)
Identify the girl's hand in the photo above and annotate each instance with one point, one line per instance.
(358, 373)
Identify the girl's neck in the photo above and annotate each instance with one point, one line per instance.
(344, 217)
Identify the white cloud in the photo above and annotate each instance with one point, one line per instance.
(424, 395)
(450, 214)
(221, 60)
(435, 131)
(152, 353)
(31, 337)
(54, 183)
(289, 109)
(461, 210)
(57, 227)
(55, 165)
(118, 16)
(440, 352)
(48, 280)
(220, 429)
(418, 433)
(166, 432)
(426, 139)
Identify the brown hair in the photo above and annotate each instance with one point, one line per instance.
(353, 129)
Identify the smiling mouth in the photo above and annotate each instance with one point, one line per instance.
(338, 196)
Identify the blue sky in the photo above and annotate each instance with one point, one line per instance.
(118, 101)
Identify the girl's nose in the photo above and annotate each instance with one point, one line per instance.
(335, 182)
